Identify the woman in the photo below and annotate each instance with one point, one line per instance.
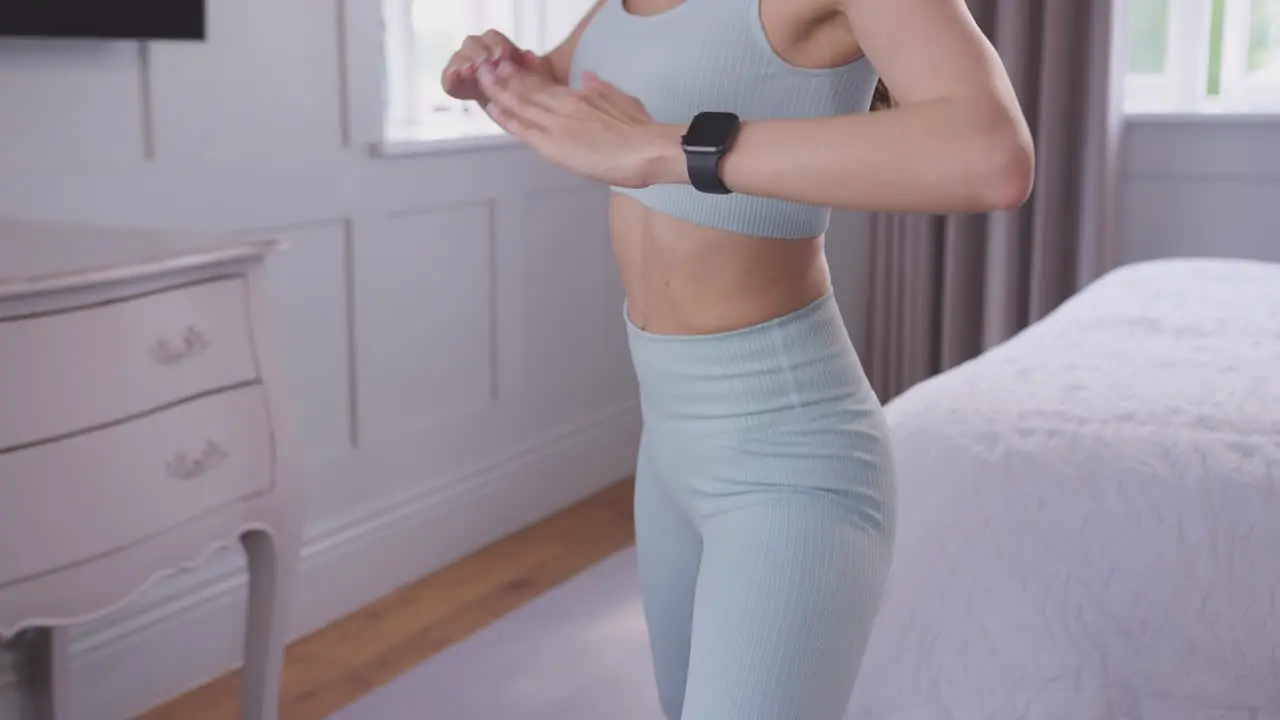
(728, 129)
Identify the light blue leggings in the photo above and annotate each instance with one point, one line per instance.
(764, 510)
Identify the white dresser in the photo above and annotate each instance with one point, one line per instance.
(142, 427)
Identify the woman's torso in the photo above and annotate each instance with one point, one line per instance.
(694, 263)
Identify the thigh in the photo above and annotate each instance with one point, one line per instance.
(668, 552)
(787, 592)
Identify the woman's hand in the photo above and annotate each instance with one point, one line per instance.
(492, 47)
(598, 132)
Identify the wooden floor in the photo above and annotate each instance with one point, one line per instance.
(357, 654)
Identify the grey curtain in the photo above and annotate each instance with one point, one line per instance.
(946, 288)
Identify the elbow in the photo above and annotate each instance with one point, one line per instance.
(1005, 174)
(1015, 178)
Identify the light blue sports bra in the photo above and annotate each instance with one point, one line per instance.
(713, 55)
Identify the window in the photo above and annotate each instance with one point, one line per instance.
(1183, 56)
(1203, 56)
(421, 36)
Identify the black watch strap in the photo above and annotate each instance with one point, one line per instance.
(704, 172)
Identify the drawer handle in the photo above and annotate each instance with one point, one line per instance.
(193, 343)
(183, 467)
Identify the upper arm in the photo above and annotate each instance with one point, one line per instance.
(561, 57)
(932, 52)
(928, 49)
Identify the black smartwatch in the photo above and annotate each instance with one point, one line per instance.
(705, 143)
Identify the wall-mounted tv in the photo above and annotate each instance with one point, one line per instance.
(107, 19)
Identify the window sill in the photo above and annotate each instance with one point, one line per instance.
(464, 134)
(1204, 118)
(1257, 106)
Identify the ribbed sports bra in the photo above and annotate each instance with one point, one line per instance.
(714, 55)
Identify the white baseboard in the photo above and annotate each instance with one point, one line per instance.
(192, 633)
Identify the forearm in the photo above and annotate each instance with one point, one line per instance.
(939, 156)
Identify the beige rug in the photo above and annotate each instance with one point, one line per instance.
(578, 652)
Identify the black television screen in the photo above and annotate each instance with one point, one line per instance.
(123, 19)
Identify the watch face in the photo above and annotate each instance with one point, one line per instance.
(710, 131)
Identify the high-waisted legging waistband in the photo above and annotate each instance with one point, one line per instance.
(739, 378)
(764, 509)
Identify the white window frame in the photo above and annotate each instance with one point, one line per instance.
(414, 114)
(410, 118)
(1243, 90)
(1181, 85)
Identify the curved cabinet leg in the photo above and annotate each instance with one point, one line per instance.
(59, 673)
(51, 676)
(272, 573)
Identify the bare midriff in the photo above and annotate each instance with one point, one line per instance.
(686, 279)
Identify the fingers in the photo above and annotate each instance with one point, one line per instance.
(596, 92)
(514, 124)
(518, 93)
(455, 80)
(593, 85)
(606, 96)
(459, 71)
(474, 51)
(498, 47)
(603, 104)
(528, 59)
(467, 56)
(489, 47)
(526, 104)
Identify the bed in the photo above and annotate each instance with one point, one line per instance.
(1090, 513)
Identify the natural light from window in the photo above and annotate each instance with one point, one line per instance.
(1203, 56)
(1184, 56)
(421, 36)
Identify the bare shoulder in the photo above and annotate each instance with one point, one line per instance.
(927, 49)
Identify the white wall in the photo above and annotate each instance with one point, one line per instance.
(1201, 186)
(451, 322)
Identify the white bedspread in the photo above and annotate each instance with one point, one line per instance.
(1090, 513)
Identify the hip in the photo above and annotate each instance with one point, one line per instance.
(769, 413)
(797, 373)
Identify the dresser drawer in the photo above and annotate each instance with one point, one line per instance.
(76, 370)
(64, 502)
